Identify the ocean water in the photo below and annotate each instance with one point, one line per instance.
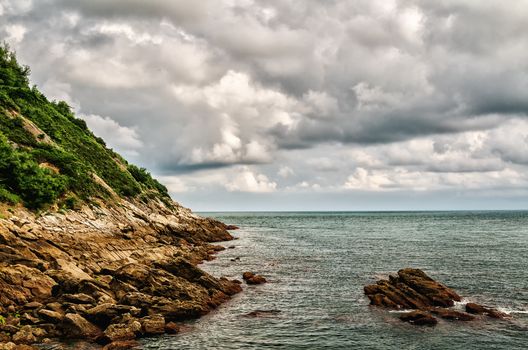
(318, 263)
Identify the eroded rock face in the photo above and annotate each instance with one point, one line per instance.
(106, 273)
(414, 289)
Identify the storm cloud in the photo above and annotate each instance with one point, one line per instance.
(283, 98)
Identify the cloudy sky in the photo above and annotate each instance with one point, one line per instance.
(299, 104)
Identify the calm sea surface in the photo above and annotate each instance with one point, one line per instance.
(318, 263)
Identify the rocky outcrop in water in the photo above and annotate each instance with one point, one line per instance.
(413, 289)
(252, 278)
(104, 273)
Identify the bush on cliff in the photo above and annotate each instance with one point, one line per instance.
(36, 132)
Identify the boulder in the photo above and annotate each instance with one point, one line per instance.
(123, 331)
(452, 315)
(28, 335)
(477, 309)
(153, 325)
(79, 298)
(419, 318)
(76, 326)
(51, 316)
(172, 328)
(414, 289)
(252, 278)
(103, 314)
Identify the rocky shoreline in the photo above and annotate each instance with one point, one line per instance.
(413, 289)
(107, 274)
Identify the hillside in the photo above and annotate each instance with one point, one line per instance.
(91, 247)
(48, 156)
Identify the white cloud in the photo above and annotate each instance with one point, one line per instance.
(122, 138)
(248, 181)
(285, 172)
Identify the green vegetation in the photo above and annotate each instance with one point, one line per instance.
(55, 159)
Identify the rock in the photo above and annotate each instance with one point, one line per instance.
(79, 298)
(103, 314)
(263, 313)
(477, 309)
(7, 328)
(5, 338)
(232, 227)
(76, 326)
(13, 346)
(121, 345)
(51, 316)
(123, 331)
(419, 318)
(452, 314)
(153, 325)
(28, 335)
(172, 328)
(252, 278)
(413, 289)
(33, 305)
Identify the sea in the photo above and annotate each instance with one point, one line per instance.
(317, 263)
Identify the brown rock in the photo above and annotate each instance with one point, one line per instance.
(419, 318)
(121, 345)
(79, 298)
(252, 278)
(452, 314)
(172, 328)
(76, 326)
(232, 227)
(477, 309)
(153, 325)
(122, 331)
(51, 316)
(263, 313)
(103, 314)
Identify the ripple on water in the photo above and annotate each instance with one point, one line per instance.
(318, 263)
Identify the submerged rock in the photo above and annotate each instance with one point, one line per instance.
(477, 309)
(414, 289)
(419, 318)
(252, 278)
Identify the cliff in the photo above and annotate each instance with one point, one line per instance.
(91, 247)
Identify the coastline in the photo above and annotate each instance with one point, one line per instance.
(107, 273)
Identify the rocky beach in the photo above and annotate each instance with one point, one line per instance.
(106, 274)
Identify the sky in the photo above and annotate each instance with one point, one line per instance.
(299, 104)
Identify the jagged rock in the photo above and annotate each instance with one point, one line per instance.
(103, 314)
(477, 309)
(51, 316)
(172, 328)
(79, 298)
(153, 325)
(252, 278)
(419, 318)
(33, 305)
(123, 331)
(76, 326)
(452, 314)
(28, 335)
(413, 289)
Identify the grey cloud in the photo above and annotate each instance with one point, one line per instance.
(212, 84)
